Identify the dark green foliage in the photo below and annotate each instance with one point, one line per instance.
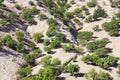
(72, 48)
(37, 36)
(99, 12)
(12, 15)
(9, 42)
(51, 31)
(77, 21)
(92, 3)
(105, 62)
(27, 14)
(89, 19)
(32, 45)
(93, 75)
(3, 21)
(111, 27)
(46, 42)
(46, 61)
(30, 59)
(92, 46)
(56, 62)
(19, 35)
(55, 43)
(17, 6)
(113, 32)
(68, 48)
(20, 47)
(36, 53)
(71, 68)
(84, 8)
(69, 15)
(47, 49)
(23, 72)
(80, 15)
(41, 16)
(77, 11)
(49, 73)
(61, 37)
(51, 21)
(101, 52)
(85, 35)
(52, 27)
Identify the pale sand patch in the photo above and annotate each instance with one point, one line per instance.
(63, 56)
(40, 27)
(9, 65)
(36, 69)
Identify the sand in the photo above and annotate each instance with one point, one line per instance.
(63, 56)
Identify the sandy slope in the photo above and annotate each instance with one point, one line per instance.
(42, 27)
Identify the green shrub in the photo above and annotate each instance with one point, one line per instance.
(84, 35)
(41, 16)
(60, 36)
(92, 3)
(20, 47)
(17, 6)
(92, 46)
(48, 73)
(99, 12)
(55, 43)
(101, 52)
(46, 42)
(23, 72)
(3, 22)
(69, 15)
(47, 49)
(84, 8)
(104, 62)
(72, 48)
(111, 27)
(56, 62)
(92, 74)
(88, 19)
(71, 68)
(113, 33)
(19, 35)
(37, 36)
(77, 21)
(36, 53)
(9, 42)
(32, 45)
(30, 59)
(46, 61)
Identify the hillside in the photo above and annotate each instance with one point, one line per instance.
(59, 39)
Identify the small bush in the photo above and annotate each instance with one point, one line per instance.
(17, 6)
(23, 72)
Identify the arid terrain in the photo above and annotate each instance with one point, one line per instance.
(11, 59)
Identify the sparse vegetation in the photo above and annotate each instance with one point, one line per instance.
(54, 36)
